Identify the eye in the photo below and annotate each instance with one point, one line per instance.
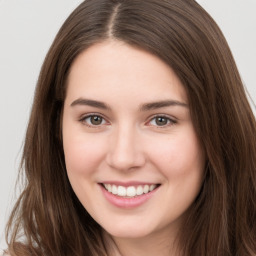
(93, 120)
(161, 121)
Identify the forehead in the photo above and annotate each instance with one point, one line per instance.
(113, 66)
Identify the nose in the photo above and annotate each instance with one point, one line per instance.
(125, 150)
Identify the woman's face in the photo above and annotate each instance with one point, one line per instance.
(131, 151)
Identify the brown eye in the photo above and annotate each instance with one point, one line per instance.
(160, 121)
(96, 120)
(93, 120)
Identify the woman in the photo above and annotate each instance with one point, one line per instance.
(141, 140)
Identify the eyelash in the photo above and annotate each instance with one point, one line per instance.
(170, 121)
(83, 120)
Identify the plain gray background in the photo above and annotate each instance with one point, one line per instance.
(27, 29)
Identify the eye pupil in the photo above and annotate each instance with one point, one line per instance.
(96, 120)
(161, 121)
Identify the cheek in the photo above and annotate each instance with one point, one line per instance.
(82, 154)
(180, 155)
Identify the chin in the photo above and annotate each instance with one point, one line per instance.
(130, 232)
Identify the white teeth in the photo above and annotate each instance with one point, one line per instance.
(130, 191)
(114, 189)
(108, 187)
(152, 187)
(146, 189)
(121, 191)
(139, 190)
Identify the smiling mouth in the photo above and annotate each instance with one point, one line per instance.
(130, 191)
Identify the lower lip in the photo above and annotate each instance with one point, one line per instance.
(127, 203)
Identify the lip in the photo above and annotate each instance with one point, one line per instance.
(127, 203)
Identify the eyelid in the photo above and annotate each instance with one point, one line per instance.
(172, 120)
(85, 116)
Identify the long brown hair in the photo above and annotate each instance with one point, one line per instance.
(48, 219)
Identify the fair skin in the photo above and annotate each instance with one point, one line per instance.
(127, 124)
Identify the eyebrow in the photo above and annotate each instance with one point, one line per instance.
(143, 107)
(162, 104)
(88, 102)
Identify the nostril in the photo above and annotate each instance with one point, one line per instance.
(124, 152)
(125, 161)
